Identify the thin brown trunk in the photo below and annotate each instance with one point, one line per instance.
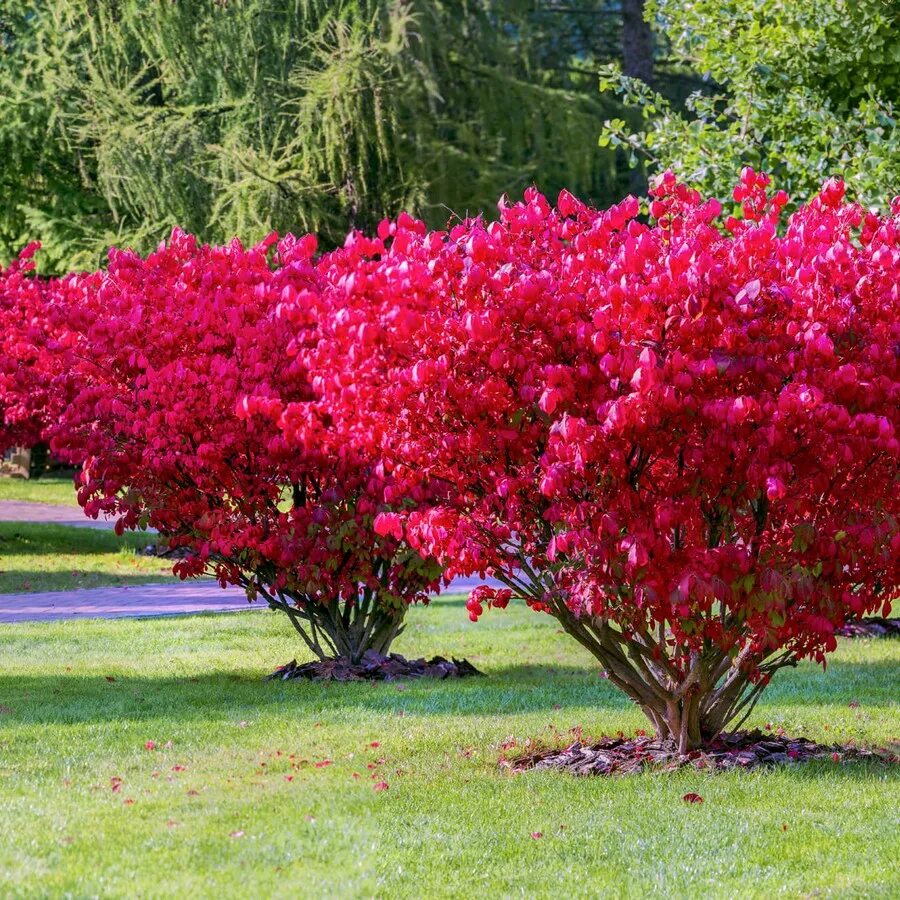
(637, 41)
(339, 629)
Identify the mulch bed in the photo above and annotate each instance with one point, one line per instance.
(741, 750)
(164, 552)
(375, 667)
(871, 627)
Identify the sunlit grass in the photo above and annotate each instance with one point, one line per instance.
(56, 558)
(49, 489)
(80, 699)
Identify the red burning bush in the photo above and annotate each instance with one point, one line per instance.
(31, 374)
(188, 357)
(679, 439)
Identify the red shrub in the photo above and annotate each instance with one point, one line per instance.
(29, 374)
(680, 442)
(187, 364)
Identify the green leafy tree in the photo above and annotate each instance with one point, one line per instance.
(122, 118)
(803, 89)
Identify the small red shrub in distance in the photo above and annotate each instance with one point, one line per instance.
(34, 381)
(184, 361)
(679, 438)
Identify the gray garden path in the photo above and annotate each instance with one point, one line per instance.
(171, 598)
(48, 514)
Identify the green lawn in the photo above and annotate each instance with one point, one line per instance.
(237, 806)
(57, 557)
(58, 491)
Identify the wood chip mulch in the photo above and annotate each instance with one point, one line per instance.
(741, 750)
(375, 667)
(871, 627)
(164, 552)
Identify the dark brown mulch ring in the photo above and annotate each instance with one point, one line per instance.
(741, 750)
(870, 627)
(375, 667)
(164, 552)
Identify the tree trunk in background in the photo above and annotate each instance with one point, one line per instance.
(637, 41)
(637, 61)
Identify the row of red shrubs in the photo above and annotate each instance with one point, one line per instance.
(678, 436)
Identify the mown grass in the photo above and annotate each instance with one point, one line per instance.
(49, 489)
(57, 558)
(216, 815)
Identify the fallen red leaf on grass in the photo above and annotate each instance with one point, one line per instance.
(322, 763)
(178, 768)
(110, 679)
(128, 801)
(537, 835)
(381, 786)
(375, 744)
(150, 745)
(288, 777)
(692, 798)
(236, 834)
(116, 784)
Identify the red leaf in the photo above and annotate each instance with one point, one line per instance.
(692, 798)
(150, 745)
(537, 835)
(236, 834)
(381, 786)
(322, 763)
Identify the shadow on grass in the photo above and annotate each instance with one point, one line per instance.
(222, 694)
(511, 690)
(34, 539)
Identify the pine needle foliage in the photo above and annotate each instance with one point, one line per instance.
(122, 118)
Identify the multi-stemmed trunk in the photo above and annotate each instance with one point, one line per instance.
(340, 629)
(689, 697)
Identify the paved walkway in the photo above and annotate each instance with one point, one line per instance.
(48, 514)
(168, 599)
(140, 601)
(122, 602)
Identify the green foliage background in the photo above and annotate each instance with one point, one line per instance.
(122, 118)
(803, 89)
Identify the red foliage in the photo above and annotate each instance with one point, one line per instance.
(29, 374)
(679, 441)
(190, 358)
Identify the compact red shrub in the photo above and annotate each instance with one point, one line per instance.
(187, 358)
(32, 388)
(680, 439)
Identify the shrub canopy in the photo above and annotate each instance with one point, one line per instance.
(678, 438)
(178, 362)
